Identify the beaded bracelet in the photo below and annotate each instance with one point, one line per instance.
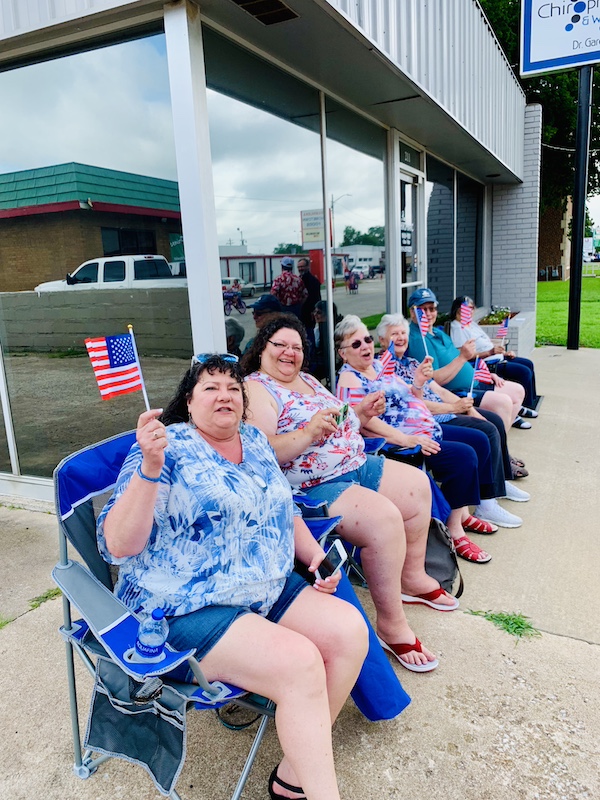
(418, 388)
(145, 477)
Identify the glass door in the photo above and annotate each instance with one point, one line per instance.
(409, 234)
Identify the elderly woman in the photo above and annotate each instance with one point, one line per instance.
(203, 525)
(385, 505)
(407, 422)
(460, 421)
(512, 367)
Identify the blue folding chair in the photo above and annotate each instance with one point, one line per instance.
(138, 711)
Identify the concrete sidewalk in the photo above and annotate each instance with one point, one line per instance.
(498, 719)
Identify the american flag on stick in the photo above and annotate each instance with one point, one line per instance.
(116, 365)
(423, 322)
(388, 360)
(350, 396)
(466, 315)
(502, 331)
(482, 372)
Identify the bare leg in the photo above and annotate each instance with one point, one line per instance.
(501, 404)
(288, 667)
(516, 393)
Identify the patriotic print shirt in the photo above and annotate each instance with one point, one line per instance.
(402, 409)
(222, 532)
(337, 454)
(405, 368)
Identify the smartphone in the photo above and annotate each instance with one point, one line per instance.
(343, 414)
(334, 558)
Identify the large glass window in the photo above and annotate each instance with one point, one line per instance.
(87, 146)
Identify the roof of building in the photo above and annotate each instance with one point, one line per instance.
(63, 186)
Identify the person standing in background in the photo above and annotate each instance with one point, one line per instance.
(289, 288)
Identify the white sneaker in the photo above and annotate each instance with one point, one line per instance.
(493, 512)
(516, 494)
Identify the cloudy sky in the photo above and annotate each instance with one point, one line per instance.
(111, 108)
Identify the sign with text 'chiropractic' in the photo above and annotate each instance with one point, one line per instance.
(559, 35)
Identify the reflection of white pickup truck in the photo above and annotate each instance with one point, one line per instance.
(116, 272)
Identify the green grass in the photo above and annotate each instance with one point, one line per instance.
(4, 622)
(36, 602)
(517, 625)
(553, 313)
(372, 321)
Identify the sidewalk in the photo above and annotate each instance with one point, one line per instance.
(497, 719)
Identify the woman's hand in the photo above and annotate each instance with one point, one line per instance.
(499, 382)
(429, 447)
(370, 406)
(462, 405)
(510, 354)
(328, 585)
(151, 435)
(323, 424)
(498, 350)
(424, 372)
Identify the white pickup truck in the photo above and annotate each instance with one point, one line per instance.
(116, 272)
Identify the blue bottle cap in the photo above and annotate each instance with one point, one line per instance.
(158, 613)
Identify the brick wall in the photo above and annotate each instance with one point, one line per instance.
(515, 222)
(45, 247)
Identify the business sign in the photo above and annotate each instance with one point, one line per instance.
(313, 229)
(559, 35)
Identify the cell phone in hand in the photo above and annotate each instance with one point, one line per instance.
(334, 558)
(343, 414)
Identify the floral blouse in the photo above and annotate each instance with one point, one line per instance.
(402, 409)
(405, 368)
(337, 454)
(222, 532)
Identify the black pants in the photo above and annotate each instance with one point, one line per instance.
(484, 438)
(495, 431)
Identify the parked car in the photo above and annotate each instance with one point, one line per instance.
(178, 268)
(118, 272)
(361, 272)
(247, 289)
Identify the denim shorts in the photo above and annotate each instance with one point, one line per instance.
(369, 476)
(202, 629)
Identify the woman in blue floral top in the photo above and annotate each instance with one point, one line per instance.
(203, 525)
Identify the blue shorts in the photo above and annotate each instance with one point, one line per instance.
(202, 629)
(369, 476)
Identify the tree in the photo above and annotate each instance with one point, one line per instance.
(288, 249)
(374, 236)
(557, 93)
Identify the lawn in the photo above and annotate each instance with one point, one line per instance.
(553, 312)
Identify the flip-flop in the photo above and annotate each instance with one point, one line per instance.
(428, 598)
(398, 650)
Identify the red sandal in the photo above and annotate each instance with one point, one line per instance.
(476, 525)
(468, 550)
(399, 650)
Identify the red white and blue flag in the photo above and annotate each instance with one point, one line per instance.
(423, 322)
(482, 373)
(115, 364)
(388, 360)
(502, 331)
(350, 396)
(466, 315)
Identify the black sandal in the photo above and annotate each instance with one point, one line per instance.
(274, 779)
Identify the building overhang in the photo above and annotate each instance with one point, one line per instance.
(77, 205)
(320, 47)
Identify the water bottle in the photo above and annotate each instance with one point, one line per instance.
(151, 638)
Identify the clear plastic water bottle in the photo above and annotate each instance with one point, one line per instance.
(151, 638)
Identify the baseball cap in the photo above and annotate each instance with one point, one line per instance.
(421, 296)
(287, 263)
(266, 303)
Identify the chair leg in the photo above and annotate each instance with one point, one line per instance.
(251, 755)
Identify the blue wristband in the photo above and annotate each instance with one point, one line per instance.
(145, 477)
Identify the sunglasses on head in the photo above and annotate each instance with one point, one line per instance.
(202, 358)
(357, 342)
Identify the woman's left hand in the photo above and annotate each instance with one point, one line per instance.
(498, 380)
(329, 585)
(371, 406)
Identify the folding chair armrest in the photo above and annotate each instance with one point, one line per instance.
(321, 527)
(304, 501)
(111, 622)
(374, 444)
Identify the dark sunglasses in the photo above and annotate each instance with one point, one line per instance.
(202, 358)
(357, 343)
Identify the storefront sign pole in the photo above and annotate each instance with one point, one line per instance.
(582, 150)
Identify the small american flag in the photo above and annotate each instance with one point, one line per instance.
(482, 372)
(502, 331)
(423, 322)
(466, 315)
(115, 364)
(350, 396)
(388, 360)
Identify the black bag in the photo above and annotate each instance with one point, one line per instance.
(440, 557)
